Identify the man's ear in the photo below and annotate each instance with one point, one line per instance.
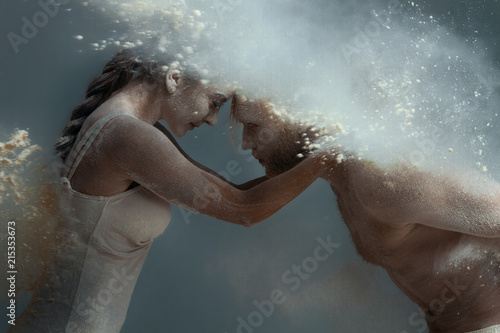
(172, 80)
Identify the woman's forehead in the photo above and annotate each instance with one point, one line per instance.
(219, 92)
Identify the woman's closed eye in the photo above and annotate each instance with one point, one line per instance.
(217, 104)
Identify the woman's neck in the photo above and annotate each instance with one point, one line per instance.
(139, 100)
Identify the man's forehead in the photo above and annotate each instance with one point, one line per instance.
(249, 112)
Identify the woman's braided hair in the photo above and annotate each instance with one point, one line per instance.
(125, 66)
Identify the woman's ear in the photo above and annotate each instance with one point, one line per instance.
(172, 80)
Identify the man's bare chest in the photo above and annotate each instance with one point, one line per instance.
(374, 239)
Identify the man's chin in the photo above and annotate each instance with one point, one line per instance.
(272, 171)
(270, 174)
(267, 169)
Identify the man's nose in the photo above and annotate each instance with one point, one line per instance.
(247, 143)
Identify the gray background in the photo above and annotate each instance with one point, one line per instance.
(202, 275)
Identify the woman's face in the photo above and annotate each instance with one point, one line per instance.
(193, 106)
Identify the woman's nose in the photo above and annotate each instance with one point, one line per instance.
(211, 118)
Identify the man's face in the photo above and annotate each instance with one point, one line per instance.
(272, 142)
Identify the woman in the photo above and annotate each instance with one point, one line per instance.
(121, 172)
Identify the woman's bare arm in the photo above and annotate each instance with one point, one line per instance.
(465, 202)
(244, 186)
(145, 155)
(179, 148)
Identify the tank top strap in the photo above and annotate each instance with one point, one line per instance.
(84, 143)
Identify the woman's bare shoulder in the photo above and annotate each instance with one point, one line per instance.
(125, 128)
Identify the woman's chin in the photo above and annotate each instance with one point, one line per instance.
(179, 133)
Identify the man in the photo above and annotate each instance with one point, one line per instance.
(437, 236)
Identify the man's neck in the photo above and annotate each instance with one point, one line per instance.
(334, 173)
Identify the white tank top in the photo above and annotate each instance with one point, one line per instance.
(89, 287)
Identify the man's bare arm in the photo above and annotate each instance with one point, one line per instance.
(466, 202)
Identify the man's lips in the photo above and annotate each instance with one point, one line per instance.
(257, 158)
